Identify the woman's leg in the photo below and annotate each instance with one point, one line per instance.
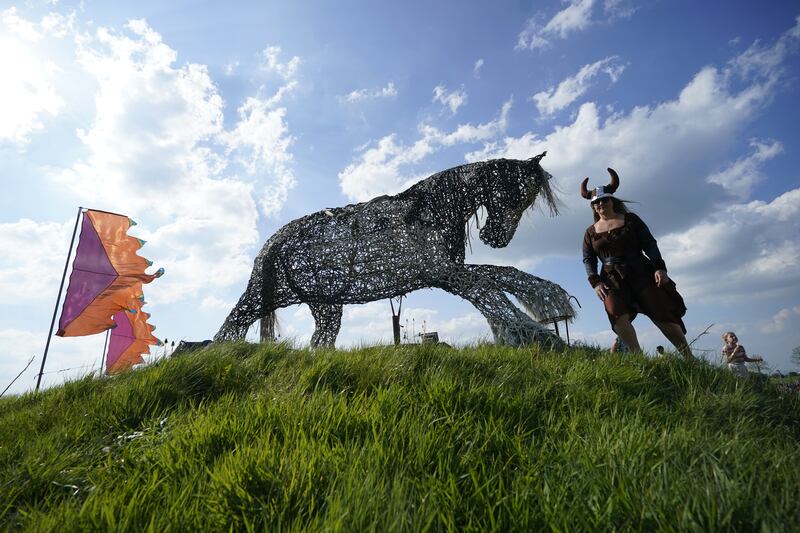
(675, 335)
(624, 329)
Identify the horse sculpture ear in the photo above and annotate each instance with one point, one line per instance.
(539, 157)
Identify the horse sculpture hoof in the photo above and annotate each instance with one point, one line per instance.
(527, 335)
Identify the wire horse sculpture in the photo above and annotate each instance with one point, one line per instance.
(393, 245)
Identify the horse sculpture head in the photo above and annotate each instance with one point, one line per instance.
(509, 187)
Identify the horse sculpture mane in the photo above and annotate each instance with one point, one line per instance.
(393, 245)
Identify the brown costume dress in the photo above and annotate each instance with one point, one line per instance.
(629, 275)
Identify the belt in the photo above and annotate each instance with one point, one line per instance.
(614, 260)
(615, 263)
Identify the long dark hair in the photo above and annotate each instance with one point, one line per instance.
(619, 207)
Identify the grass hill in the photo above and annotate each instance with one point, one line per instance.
(415, 438)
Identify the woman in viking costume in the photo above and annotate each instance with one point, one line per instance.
(633, 276)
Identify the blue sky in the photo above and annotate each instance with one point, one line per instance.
(214, 126)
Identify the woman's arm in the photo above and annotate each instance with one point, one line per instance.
(590, 263)
(648, 242)
(590, 260)
(650, 248)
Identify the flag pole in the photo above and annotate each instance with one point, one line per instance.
(58, 299)
(105, 350)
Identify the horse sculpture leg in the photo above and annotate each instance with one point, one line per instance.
(509, 325)
(327, 321)
(247, 310)
(263, 295)
(544, 300)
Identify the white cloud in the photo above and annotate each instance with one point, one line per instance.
(476, 69)
(779, 320)
(452, 100)
(468, 133)
(295, 324)
(740, 250)
(378, 170)
(556, 98)
(28, 90)
(261, 142)
(471, 328)
(619, 8)
(157, 149)
(359, 95)
(31, 267)
(741, 176)
(761, 60)
(656, 143)
(261, 139)
(372, 323)
(68, 358)
(575, 17)
(664, 154)
(382, 168)
(214, 303)
(150, 150)
(13, 23)
(231, 67)
(272, 64)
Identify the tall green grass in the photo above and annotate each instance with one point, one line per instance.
(414, 438)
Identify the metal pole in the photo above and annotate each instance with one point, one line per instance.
(105, 350)
(395, 322)
(58, 299)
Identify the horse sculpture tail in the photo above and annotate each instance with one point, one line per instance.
(257, 302)
(269, 327)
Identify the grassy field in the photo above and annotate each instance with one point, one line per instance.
(416, 438)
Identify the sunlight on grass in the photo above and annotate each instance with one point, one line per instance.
(254, 437)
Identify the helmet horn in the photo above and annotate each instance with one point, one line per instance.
(612, 187)
(584, 191)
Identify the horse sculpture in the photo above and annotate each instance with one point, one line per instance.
(393, 245)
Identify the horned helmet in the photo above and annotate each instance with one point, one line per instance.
(604, 191)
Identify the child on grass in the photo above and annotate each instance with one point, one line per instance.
(735, 355)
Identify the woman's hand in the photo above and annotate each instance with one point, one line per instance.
(661, 278)
(601, 290)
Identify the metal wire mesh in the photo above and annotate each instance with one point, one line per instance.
(393, 245)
